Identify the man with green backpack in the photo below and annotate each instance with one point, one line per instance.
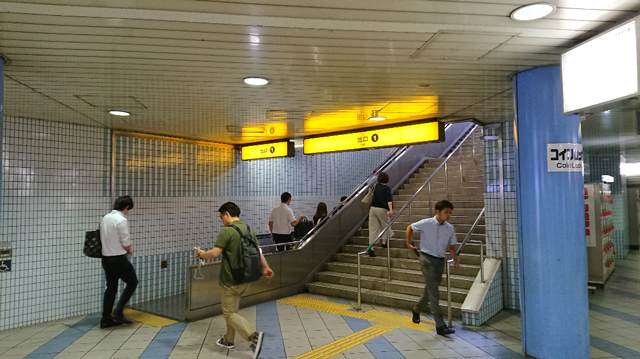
(242, 264)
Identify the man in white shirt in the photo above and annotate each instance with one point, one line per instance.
(281, 220)
(437, 236)
(116, 244)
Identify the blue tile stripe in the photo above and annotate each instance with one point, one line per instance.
(614, 313)
(163, 343)
(267, 321)
(613, 348)
(380, 346)
(56, 345)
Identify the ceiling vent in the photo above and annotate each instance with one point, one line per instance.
(461, 45)
(125, 103)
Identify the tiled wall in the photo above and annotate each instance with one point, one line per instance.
(492, 203)
(605, 164)
(53, 186)
(56, 185)
(492, 304)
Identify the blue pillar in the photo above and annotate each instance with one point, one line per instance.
(551, 232)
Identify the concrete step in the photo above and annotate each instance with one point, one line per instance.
(423, 212)
(383, 284)
(413, 188)
(422, 201)
(468, 270)
(437, 196)
(401, 243)
(405, 253)
(390, 299)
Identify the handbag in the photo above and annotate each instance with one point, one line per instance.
(368, 198)
(92, 244)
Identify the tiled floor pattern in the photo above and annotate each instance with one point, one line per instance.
(294, 331)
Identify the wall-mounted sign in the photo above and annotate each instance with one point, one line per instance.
(564, 157)
(601, 70)
(268, 150)
(5, 266)
(5, 252)
(381, 137)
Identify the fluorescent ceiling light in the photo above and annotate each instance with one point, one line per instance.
(532, 11)
(630, 169)
(255, 81)
(119, 113)
(377, 118)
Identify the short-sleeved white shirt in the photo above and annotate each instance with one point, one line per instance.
(435, 237)
(114, 234)
(282, 216)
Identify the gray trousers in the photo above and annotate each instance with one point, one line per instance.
(432, 269)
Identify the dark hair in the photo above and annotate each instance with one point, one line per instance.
(232, 208)
(383, 177)
(343, 198)
(285, 197)
(321, 211)
(444, 204)
(122, 203)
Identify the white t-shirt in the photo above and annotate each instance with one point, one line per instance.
(282, 216)
(114, 234)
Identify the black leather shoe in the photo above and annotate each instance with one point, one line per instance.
(108, 324)
(416, 317)
(371, 253)
(383, 245)
(120, 319)
(444, 330)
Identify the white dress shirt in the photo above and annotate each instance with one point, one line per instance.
(435, 237)
(114, 234)
(282, 216)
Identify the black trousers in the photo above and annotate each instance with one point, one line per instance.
(282, 238)
(116, 268)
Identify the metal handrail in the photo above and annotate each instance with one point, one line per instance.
(466, 238)
(388, 227)
(481, 259)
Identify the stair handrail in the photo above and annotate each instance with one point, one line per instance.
(473, 227)
(388, 227)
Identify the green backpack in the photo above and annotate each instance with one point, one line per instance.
(250, 269)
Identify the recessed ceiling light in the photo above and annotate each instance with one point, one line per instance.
(119, 113)
(255, 81)
(532, 11)
(377, 118)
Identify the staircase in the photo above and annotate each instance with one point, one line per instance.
(407, 283)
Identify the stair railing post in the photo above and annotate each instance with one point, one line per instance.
(359, 287)
(430, 209)
(449, 290)
(389, 254)
(482, 262)
(461, 167)
(473, 148)
(446, 178)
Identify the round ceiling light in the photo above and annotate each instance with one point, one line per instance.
(120, 113)
(532, 11)
(255, 81)
(377, 118)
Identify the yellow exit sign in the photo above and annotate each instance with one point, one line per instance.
(377, 138)
(268, 150)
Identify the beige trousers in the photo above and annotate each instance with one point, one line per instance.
(230, 305)
(378, 220)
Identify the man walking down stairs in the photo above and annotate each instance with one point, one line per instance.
(436, 236)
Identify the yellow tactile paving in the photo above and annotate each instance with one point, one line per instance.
(149, 319)
(388, 323)
(351, 341)
(395, 319)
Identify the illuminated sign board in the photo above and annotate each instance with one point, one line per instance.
(381, 137)
(601, 70)
(268, 150)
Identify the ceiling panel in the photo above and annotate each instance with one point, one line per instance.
(178, 66)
